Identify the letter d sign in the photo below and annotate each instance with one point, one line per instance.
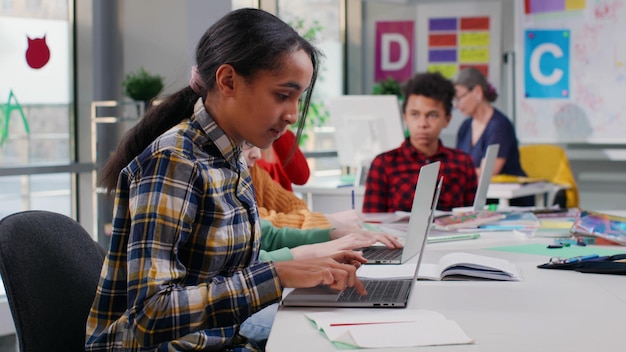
(394, 50)
(546, 64)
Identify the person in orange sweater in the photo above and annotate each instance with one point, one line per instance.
(285, 164)
(276, 204)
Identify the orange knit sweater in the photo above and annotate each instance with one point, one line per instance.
(281, 207)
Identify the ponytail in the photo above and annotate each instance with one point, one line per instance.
(155, 122)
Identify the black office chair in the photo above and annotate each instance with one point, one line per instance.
(50, 267)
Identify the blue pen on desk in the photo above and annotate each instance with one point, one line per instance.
(581, 258)
(353, 199)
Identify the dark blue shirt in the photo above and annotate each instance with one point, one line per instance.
(499, 130)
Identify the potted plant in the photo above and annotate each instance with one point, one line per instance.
(388, 86)
(142, 86)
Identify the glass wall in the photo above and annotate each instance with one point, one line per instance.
(35, 105)
(320, 22)
(38, 126)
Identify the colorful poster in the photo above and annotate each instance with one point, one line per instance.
(454, 35)
(546, 63)
(458, 42)
(541, 6)
(395, 50)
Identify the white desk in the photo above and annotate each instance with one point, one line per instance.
(539, 190)
(551, 310)
(324, 195)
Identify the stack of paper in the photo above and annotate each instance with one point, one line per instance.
(387, 329)
(470, 219)
(514, 221)
(554, 228)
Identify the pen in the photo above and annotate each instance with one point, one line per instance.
(581, 258)
(352, 198)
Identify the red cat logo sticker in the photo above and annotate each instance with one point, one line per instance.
(38, 53)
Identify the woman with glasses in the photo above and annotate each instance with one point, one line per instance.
(485, 125)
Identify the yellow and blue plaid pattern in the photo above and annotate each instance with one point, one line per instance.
(182, 270)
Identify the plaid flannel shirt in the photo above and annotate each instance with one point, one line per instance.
(392, 177)
(182, 270)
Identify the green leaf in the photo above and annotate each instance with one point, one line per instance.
(141, 85)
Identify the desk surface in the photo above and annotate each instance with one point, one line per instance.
(551, 310)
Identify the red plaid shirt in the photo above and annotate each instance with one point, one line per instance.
(393, 175)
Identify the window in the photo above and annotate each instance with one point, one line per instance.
(35, 106)
(320, 22)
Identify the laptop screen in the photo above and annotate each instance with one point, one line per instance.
(422, 210)
(480, 200)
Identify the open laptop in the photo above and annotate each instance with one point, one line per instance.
(480, 200)
(421, 209)
(381, 293)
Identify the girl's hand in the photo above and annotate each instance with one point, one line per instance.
(337, 271)
(384, 238)
(350, 241)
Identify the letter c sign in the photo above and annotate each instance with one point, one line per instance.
(546, 64)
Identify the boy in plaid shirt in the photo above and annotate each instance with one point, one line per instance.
(392, 176)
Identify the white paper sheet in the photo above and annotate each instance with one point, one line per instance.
(385, 329)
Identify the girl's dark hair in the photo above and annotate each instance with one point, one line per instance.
(250, 40)
(471, 77)
(432, 85)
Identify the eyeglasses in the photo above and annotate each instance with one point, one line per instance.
(457, 99)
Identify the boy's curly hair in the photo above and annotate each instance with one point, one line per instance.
(432, 85)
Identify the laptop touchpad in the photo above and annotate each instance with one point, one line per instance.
(318, 293)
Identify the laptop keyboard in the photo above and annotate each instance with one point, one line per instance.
(381, 253)
(378, 291)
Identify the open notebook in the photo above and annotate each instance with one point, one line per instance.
(381, 293)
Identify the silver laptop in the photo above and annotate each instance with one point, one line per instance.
(382, 255)
(480, 200)
(381, 293)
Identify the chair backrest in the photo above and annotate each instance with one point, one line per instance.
(549, 162)
(50, 267)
